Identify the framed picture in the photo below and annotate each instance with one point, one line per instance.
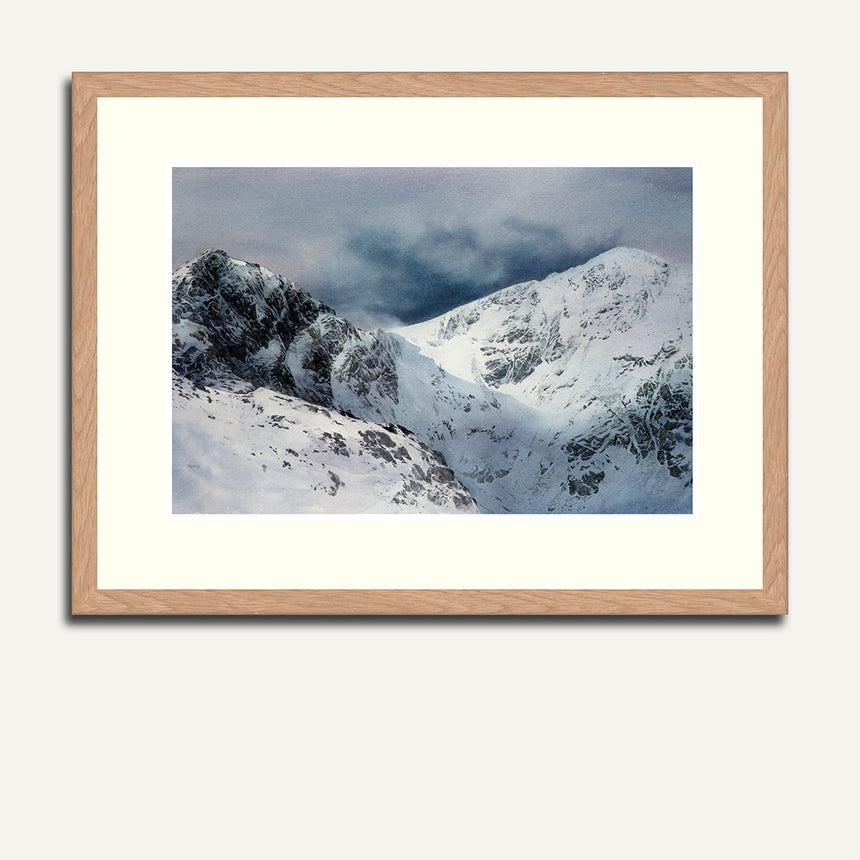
(429, 344)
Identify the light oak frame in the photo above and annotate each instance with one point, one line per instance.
(771, 599)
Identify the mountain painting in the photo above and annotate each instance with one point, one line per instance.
(432, 340)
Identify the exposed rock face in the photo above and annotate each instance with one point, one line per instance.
(237, 319)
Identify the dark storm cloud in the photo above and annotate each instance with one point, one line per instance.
(537, 247)
(442, 268)
(389, 245)
(419, 279)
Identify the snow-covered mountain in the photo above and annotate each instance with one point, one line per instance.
(572, 394)
(556, 342)
(257, 426)
(604, 352)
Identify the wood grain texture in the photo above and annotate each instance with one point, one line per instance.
(775, 343)
(428, 602)
(87, 599)
(427, 84)
(84, 346)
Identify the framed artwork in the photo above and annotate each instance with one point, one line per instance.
(429, 344)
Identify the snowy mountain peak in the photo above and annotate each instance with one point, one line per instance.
(237, 319)
(524, 337)
(623, 255)
(218, 262)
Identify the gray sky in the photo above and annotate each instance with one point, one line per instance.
(390, 245)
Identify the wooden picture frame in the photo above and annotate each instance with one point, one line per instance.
(88, 598)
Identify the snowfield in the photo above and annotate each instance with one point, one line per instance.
(260, 452)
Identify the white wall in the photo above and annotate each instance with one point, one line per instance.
(411, 739)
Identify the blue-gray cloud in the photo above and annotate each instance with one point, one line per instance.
(414, 279)
(389, 245)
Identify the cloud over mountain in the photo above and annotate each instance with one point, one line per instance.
(393, 245)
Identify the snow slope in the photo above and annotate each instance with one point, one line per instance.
(260, 452)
